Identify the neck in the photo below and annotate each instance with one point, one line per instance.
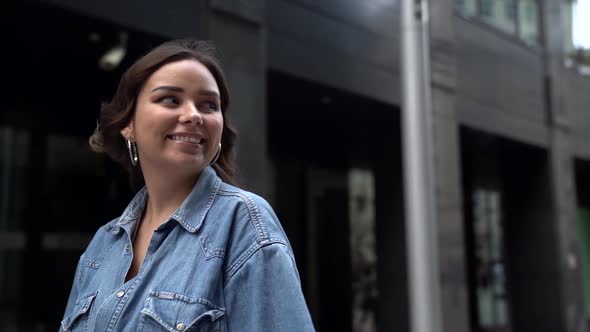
(165, 195)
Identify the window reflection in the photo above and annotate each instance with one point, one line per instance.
(528, 21)
(361, 186)
(487, 9)
(467, 7)
(515, 17)
(490, 278)
(499, 13)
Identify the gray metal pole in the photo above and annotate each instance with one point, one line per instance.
(424, 290)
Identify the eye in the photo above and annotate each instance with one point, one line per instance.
(209, 106)
(168, 100)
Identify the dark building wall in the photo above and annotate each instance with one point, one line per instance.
(534, 282)
(239, 31)
(499, 83)
(351, 45)
(177, 18)
(577, 101)
(355, 46)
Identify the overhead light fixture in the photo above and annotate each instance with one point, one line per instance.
(113, 57)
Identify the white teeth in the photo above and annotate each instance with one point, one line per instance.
(189, 139)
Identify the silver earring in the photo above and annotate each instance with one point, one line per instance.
(216, 156)
(132, 147)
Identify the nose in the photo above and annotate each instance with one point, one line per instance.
(190, 115)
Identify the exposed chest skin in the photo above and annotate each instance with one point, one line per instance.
(141, 242)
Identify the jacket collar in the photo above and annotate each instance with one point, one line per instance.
(191, 212)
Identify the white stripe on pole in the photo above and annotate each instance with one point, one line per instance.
(424, 290)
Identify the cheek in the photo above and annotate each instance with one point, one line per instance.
(153, 122)
(216, 127)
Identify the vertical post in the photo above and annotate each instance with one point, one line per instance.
(424, 288)
(562, 171)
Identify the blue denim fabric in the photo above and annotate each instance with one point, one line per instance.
(222, 262)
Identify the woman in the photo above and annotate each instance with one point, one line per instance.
(191, 252)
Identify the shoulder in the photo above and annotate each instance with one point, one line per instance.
(252, 212)
(254, 228)
(103, 237)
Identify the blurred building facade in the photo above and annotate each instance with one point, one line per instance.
(316, 95)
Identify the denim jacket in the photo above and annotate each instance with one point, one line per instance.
(222, 262)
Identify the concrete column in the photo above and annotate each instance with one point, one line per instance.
(447, 163)
(564, 201)
(238, 29)
(562, 172)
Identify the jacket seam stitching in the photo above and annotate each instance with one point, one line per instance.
(185, 223)
(245, 257)
(253, 212)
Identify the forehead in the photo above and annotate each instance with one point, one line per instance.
(187, 74)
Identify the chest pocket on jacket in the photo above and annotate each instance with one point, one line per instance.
(76, 320)
(166, 311)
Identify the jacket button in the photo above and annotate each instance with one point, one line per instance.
(120, 293)
(180, 327)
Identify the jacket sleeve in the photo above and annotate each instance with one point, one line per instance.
(264, 294)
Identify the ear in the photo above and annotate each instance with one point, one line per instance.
(127, 132)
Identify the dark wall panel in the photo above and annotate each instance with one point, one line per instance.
(533, 264)
(374, 16)
(577, 102)
(178, 18)
(351, 45)
(499, 83)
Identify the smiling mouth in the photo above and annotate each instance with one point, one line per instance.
(187, 139)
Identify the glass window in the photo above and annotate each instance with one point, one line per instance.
(363, 250)
(467, 7)
(487, 8)
(509, 10)
(490, 279)
(528, 21)
(83, 183)
(499, 13)
(504, 15)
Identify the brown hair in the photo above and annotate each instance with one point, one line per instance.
(117, 114)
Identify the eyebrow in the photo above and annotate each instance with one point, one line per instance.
(210, 93)
(169, 88)
(180, 90)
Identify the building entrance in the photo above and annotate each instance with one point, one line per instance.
(338, 192)
(510, 239)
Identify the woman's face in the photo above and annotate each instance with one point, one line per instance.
(178, 122)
